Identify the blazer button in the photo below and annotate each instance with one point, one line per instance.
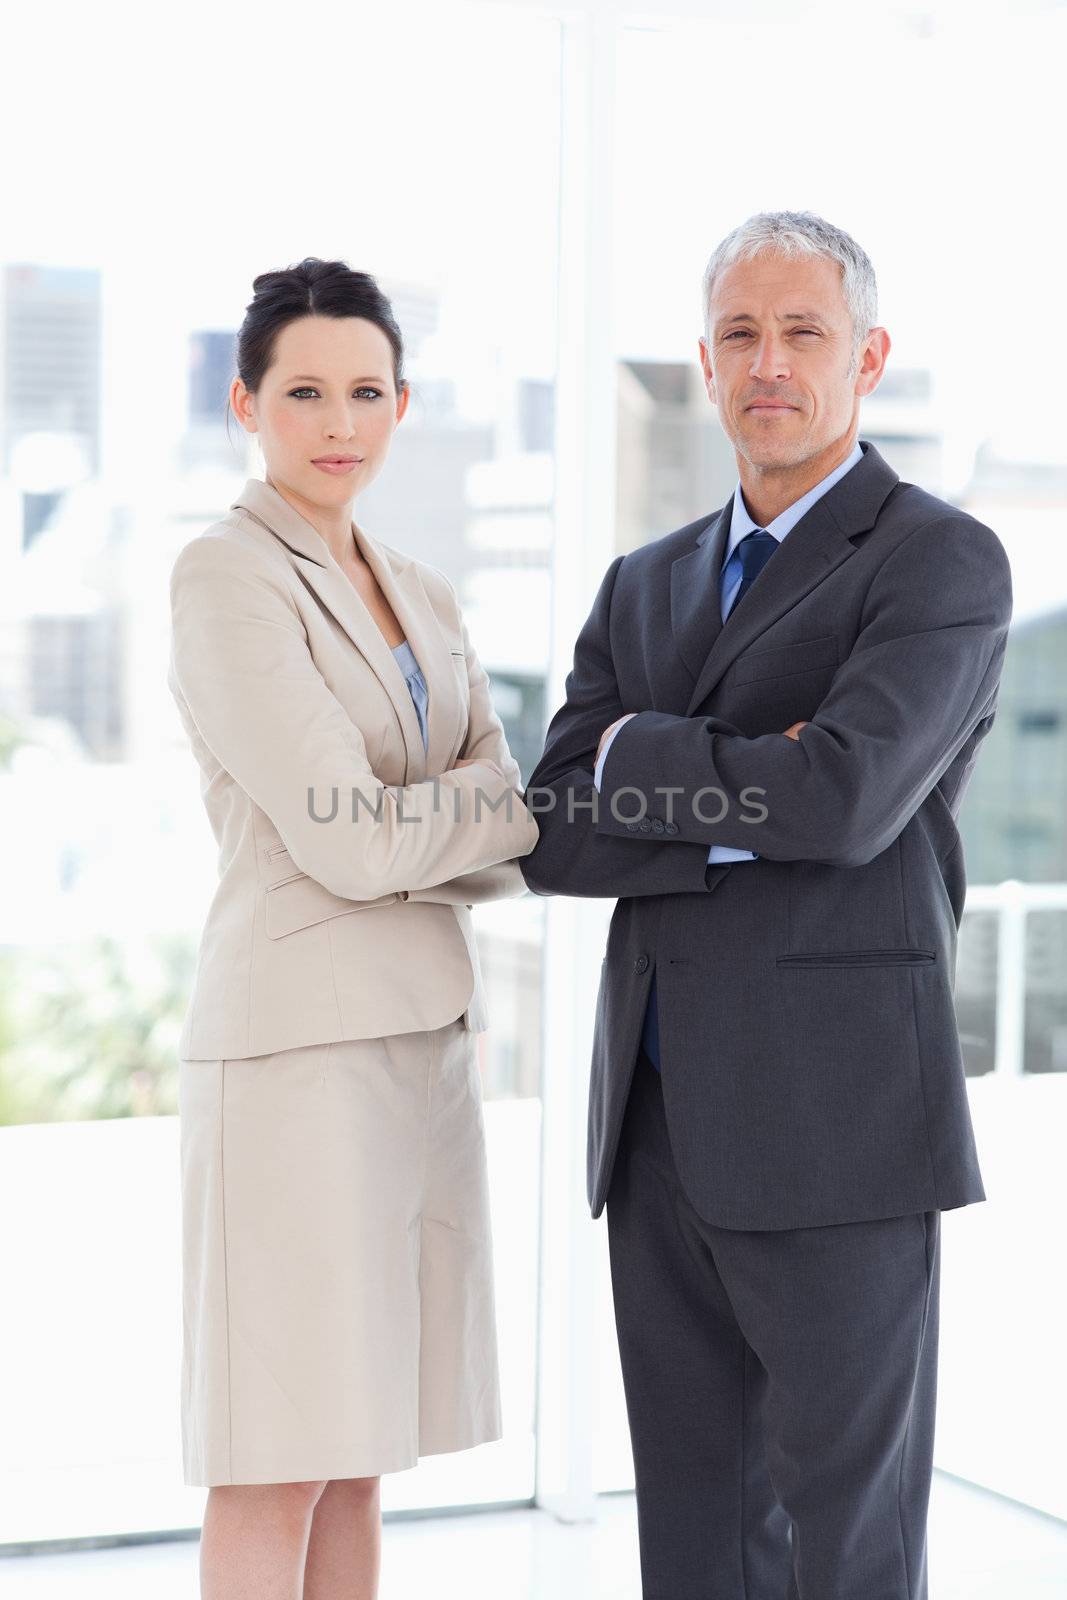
(645, 825)
(670, 827)
(641, 964)
(657, 824)
(631, 827)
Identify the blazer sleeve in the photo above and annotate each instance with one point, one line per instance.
(240, 659)
(485, 738)
(572, 857)
(919, 683)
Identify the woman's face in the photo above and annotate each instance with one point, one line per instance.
(329, 391)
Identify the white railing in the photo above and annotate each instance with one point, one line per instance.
(1012, 901)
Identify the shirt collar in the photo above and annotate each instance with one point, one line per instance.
(741, 523)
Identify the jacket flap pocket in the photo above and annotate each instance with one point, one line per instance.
(786, 659)
(905, 957)
(300, 901)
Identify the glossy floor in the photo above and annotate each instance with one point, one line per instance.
(981, 1548)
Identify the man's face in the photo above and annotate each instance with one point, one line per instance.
(777, 366)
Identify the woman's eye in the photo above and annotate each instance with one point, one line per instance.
(377, 393)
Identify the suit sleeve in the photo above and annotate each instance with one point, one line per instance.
(718, 853)
(571, 856)
(485, 738)
(920, 679)
(240, 659)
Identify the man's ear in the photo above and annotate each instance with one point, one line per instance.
(705, 367)
(872, 362)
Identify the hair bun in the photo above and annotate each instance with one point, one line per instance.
(268, 280)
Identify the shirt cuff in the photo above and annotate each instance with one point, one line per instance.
(727, 852)
(598, 770)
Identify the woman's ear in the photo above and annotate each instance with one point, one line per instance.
(242, 404)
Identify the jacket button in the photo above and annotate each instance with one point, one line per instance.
(657, 825)
(631, 827)
(670, 827)
(641, 964)
(645, 825)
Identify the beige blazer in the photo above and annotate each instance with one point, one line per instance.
(349, 857)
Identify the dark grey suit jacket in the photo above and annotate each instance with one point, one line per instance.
(812, 1071)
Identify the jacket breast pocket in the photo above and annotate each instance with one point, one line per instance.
(785, 660)
(459, 667)
(463, 687)
(300, 901)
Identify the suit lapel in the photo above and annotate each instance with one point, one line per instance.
(399, 581)
(695, 623)
(813, 548)
(403, 589)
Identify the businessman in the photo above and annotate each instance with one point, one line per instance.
(769, 726)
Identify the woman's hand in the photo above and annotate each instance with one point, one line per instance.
(474, 761)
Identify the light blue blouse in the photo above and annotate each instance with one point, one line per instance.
(405, 660)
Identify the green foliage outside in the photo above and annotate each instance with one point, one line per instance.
(91, 1030)
(11, 737)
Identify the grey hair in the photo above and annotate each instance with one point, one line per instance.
(801, 233)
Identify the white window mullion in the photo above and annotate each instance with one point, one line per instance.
(583, 548)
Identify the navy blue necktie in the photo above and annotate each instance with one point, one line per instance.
(754, 552)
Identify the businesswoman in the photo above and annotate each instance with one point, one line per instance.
(337, 1277)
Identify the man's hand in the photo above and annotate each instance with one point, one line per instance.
(793, 732)
(607, 732)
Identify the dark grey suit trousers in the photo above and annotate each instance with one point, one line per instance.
(780, 1387)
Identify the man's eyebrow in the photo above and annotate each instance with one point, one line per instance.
(790, 316)
(309, 377)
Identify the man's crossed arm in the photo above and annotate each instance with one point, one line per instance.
(920, 681)
(717, 853)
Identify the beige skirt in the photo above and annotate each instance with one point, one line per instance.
(338, 1311)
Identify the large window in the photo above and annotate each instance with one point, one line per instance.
(539, 195)
(424, 149)
(926, 135)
